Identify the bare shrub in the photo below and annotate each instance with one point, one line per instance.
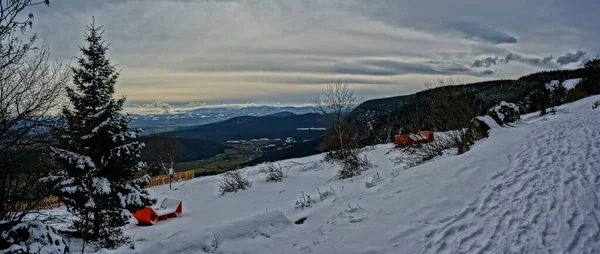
(324, 195)
(331, 143)
(30, 92)
(417, 154)
(353, 164)
(273, 172)
(337, 102)
(161, 153)
(232, 181)
(310, 166)
(450, 112)
(212, 245)
(304, 201)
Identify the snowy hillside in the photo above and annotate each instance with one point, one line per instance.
(529, 188)
(567, 84)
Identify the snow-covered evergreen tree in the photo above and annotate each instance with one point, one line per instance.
(98, 165)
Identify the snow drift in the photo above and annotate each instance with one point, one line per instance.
(188, 240)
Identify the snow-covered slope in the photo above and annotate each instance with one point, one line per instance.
(567, 84)
(529, 188)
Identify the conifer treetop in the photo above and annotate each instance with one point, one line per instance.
(94, 77)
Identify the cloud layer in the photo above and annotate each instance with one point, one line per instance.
(287, 50)
(479, 32)
(542, 62)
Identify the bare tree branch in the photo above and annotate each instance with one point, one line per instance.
(29, 97)
(336, 102)
(161, 153)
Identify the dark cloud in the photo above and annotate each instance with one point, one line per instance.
(527, 60)
(513, 57)
(486, 62)
(479, 32)
(571, 57)
(487, 72)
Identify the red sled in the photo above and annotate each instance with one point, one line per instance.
(411, 139)
(168, 208)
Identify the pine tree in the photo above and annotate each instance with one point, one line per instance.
(97, 156)
(592, 64)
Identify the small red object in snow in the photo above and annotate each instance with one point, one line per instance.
(407, 140)
(428, 135)
(403, 140)
(168, 208)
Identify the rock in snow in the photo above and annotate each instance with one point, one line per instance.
(30, 237)
(478, 129)
(504, 112)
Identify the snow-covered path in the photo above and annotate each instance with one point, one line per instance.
(528, 189)
(544, 200)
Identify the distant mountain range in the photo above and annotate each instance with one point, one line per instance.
(170, 122)
(276, 126)
(271, 137)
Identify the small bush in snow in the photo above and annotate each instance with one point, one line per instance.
(596, 104)
(417, 154)
(304, 202)
(232, 181)
(310, 166)
(353, 165)
(273, 172)
(212, 246)
(325, 194)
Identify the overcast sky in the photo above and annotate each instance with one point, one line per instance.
(285, 51)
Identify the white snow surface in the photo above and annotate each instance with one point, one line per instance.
(568, 84)
(489, 121)
(532, 188)
(571, 83)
